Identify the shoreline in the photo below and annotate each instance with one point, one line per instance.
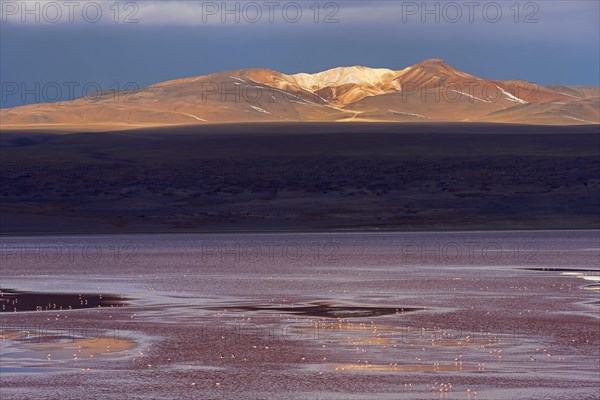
(288, 232)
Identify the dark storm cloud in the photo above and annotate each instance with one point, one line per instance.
(545, 42)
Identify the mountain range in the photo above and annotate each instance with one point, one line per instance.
(430, 91)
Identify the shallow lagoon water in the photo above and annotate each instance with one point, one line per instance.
(486, 315)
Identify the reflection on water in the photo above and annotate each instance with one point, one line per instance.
(374, 333)
(48, 351)
(380, 346)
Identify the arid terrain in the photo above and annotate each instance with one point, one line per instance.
(431, 91)
(301, 200)
(290, 176)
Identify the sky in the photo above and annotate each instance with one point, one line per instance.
(61, 50)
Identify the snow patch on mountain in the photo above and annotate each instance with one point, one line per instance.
(512, 97)
(471, 96)
(260, 110)
(408, 114)
(343, 75)
(193, 116)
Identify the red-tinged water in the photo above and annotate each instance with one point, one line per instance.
(472, 315)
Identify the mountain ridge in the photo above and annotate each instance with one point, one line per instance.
(430, 90)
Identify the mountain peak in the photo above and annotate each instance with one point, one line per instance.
(432, 61)
(432, 70)
(343, 75)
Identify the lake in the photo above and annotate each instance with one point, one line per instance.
(431, 315)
